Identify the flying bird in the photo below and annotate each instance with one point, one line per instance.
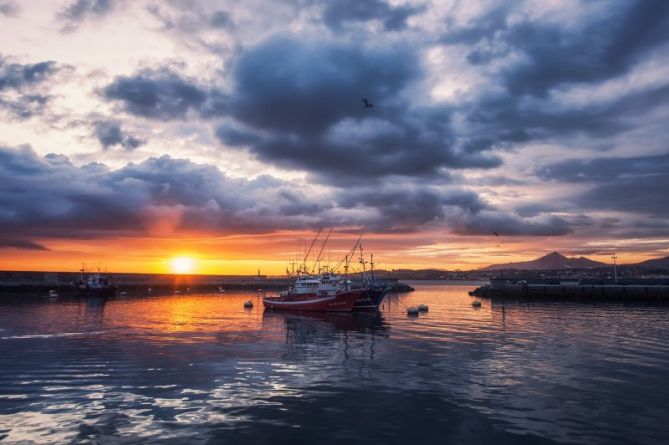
(366, 103)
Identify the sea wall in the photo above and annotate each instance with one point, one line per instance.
(570, 291)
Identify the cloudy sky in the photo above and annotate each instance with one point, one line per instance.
(134, 131)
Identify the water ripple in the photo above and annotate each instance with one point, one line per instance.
(168, 369)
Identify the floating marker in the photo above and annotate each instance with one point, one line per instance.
(248, 304)
(476, 303)
(412, 311)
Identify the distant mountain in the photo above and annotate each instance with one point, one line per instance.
(657, 263)
(552, 261)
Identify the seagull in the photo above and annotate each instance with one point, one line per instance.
(367, 104)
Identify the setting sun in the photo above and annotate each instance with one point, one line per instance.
(182, 264)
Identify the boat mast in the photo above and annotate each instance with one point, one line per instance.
(304, 262)
(364, 269)
(371, 267)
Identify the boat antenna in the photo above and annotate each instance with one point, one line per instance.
(318, 258)
(363, 262)
(304, 262)
(371, 267)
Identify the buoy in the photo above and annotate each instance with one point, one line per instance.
(476, 303)
(188, 290)
(149, 290)
(412, 310)
(123, 294)
(177, 292)
(422, 307)
(248, 304)
(221, 290)
(53, 294)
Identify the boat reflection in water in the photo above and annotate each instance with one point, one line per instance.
(316, 324)
(324, 340)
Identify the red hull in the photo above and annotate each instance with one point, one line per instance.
(341, 302)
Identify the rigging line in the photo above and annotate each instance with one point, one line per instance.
(321, 251)
(350, 254)
(304, 262)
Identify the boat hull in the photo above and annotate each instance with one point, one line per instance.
(340, 302)
(108, 291)
(370, 299)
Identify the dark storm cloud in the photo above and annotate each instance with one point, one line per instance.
(157, 94)
(110, 134)
(534, 209)
(221, 19)
(488, 222)
(509, 121)
(17, 76)
(21, 87)
(340, 12)
(606, 46)
(635, 184)
(9, 9)
(50, 197)
(290, 85)
(405, 207)
(536, 58)
(79, 11)
(20, 244)
(298, 104)
(607, 169)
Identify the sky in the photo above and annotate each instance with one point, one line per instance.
(134, 132)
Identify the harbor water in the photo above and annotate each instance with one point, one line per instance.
(200, 368)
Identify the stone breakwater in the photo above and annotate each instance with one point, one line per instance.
(650, 291)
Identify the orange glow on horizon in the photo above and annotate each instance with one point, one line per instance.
(268, 253)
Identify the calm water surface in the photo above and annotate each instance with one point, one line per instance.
(200, 368)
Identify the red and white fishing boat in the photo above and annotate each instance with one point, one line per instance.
(324, 293)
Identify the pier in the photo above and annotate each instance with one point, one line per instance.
(575, 290)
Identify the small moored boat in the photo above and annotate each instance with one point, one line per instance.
(94, 284)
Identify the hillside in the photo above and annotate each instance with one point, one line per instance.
(657, 263)
(552, 261)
